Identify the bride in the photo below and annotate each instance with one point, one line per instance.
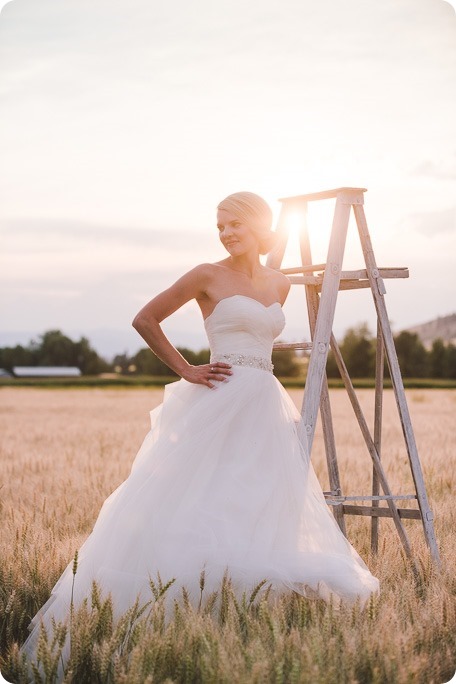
(221, 482)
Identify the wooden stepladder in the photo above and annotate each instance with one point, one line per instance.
(322, 283)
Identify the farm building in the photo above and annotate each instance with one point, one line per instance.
(46, 372)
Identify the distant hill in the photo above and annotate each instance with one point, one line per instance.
(443, 327)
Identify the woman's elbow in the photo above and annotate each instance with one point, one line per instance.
(145, 323)
(138, 322)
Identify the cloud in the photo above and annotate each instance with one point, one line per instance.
(59, 235)
(46, 262)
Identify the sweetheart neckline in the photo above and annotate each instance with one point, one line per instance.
(265, 306)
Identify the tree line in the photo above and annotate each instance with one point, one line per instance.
(53, 348)
(358, 348)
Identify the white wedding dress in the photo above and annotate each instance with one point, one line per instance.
(221, 482)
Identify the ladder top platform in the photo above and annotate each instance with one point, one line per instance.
(325, 194)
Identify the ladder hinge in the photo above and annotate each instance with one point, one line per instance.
(381, 286)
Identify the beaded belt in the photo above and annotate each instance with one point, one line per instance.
(245, 360)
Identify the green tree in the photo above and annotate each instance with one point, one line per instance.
(87, 358)
(358, 352)
(55, 349)
(450, 362)
(122, 362)
(412, 356)
(437, 359)
(195, 358)
(16, 356)
(332, 370)
(286, 364)
(147, 363)
(203, 356)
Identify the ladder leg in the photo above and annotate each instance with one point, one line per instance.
(371, 446)
(379, 367)
(326, 420)
(323, 327)
(313, 302)
(378, 290)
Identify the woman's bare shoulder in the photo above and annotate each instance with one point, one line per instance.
(208, 273)
(208, 270)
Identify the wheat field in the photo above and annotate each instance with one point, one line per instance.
(63, 451)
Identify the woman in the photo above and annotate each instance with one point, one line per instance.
(221, 481)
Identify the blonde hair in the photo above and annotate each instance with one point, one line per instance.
(255, 213)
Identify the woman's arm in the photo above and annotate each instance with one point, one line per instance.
(147, 322)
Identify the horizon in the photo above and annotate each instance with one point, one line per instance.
(99, 339)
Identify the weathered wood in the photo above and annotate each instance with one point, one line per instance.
(303, 269)
(384, 273)
(312, 300)
(281, 346)
(378, 411)
(304, 280)
(349, 280)
(378, 290)
(379, 512)
(316, 281)
(324, 321)
(370, 445)
(364, 497)
(321, 313)
(325, 194)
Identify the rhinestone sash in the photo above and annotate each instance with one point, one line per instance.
(258, 362)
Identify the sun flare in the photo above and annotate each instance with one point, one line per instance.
(317, 220)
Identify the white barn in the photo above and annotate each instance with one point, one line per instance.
(46, 372)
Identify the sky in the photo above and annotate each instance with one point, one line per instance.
(123, 123)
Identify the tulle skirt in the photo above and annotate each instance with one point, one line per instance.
(220, 483)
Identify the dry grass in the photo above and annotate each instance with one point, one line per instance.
(63, 451)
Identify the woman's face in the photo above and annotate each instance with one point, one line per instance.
(235, 236)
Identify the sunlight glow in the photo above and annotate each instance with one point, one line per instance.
(294, 222)
(319, 222)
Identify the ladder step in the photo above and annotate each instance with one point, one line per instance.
(338, 498)
(387, 272)
(325, 194)
(283, 346)
(303, 269)
(377, 511)
(357, 277)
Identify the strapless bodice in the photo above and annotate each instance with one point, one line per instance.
(242, 325)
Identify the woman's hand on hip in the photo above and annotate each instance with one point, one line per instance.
(208, 373)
